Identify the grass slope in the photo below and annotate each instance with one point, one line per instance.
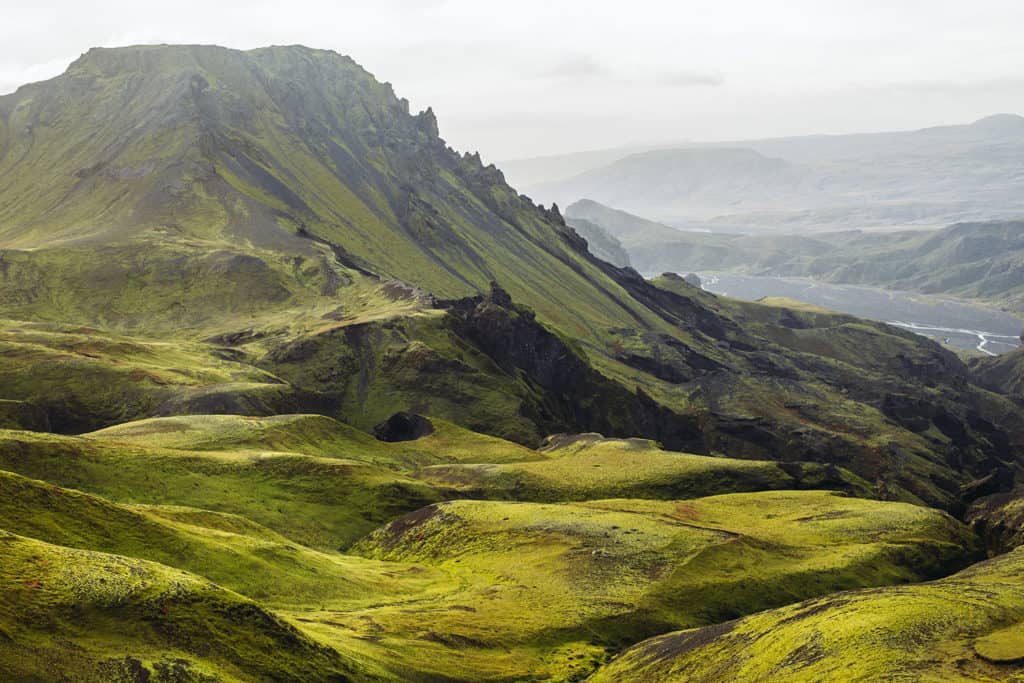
(968, 627)
(82, 378)
(590, 467)
(81, 616)
(227, 549)
(315, 435)
(607, 572)
(321, 502)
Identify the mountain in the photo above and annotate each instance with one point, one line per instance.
(916, 179)
(655, 247)
(600, 242)
(285, 208)
(290, 390)
(288, 150)
(701, 179)
(971, 260)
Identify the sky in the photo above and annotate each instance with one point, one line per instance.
(540, 77)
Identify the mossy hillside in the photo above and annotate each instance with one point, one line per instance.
(165, 284)
(22, 415)
(324, 503)
(967, 627)
(388, 355)
(315, 435)
(588, 469)
(373, 370)
(607, 572)
(82, 378)
(78, 615)
(227, 549)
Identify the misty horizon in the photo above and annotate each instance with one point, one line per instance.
(550, 80)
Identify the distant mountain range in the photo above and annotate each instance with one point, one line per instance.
(975, 260)
(926, 178)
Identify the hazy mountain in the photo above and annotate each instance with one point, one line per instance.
(656, 248)
(973, 260)
(925, 178)
(600, 242)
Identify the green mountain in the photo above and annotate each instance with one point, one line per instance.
(290, 390)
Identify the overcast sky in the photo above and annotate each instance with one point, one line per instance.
(516, 79)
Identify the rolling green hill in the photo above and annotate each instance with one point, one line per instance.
(604, 572)
(965, 628)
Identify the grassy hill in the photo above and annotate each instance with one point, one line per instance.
(587, 469)
(87, 616)
(321, 502)
(606, 571)
(964, 628)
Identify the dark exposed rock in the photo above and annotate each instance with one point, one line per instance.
(236, 338)
(998, 481)
(396, 290)
(403, 427)
(999, 520)
(574, 396)
(426, 121)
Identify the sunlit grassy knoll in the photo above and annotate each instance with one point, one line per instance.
(227, 549)
(315, 435)
(968, 627)
(83, 378)
(321, 502)
(587, 469)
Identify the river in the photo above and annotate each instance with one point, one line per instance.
(958, 323)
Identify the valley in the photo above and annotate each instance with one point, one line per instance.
(957, 323)
(290, 390)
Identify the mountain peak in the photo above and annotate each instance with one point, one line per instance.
(165, 57)
(1001, 123)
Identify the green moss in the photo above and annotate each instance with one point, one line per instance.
(606, 572)
(963, 628)
(325, 503)
(87, 616)
(586, 469)
(227, 549)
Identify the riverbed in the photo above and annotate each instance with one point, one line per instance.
(959, 323)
